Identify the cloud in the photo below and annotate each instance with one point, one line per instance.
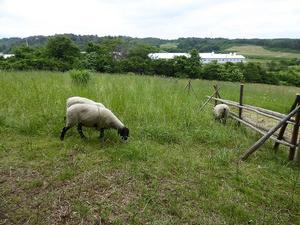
(152, 18)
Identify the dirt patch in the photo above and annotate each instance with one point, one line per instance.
(266, 123)
(82, 200)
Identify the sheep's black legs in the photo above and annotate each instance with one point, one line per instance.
(101, 133)
(79, 128)
(63, 132)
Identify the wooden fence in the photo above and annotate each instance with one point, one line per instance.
(292, 119)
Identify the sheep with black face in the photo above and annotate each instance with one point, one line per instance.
(89, 115)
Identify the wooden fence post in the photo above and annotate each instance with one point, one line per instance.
(298, 155)
(188, 86)
(241, 101)
(209, 99)
(283, 128)
(295, 132)
(216, 93)
(263, 139)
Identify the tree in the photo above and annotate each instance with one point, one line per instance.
(213, 71)
(180, 63)
(23, 52)
(137, 60)
(62, 50)
(188, 67)
(253, 72)
(163, 67)
(102, 57)
(193, 67)
(232, 73)
(142, 51)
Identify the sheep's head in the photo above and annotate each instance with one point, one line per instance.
(124, 133)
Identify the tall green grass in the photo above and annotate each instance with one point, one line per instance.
(178, 166)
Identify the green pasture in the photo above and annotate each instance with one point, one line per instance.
(177, 167)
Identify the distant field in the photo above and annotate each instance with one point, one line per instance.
(168, 45)
(260, 53)
(177, 167)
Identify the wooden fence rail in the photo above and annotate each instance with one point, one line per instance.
(263, 139)
(292, 118)
(267, 113)
(286, 143)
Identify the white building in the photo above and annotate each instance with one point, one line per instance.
(167, 55)
(221, 58)
(5, 56)
(205, 57)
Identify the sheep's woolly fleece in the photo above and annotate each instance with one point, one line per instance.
(92, 116)
(221, 111)
(80, 100)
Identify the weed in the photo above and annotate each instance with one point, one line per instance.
(81, 77)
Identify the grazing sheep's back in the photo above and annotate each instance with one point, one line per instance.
(221, 111)
(80, 100)
(86, 114)
(92, 116)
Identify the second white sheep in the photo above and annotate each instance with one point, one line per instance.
(221, 112)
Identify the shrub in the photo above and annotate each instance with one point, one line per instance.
(213, 71)
(80, 76)
(232, 73)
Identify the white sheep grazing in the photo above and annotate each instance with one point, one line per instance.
(221, 112)
(80, 100)
(89, 115)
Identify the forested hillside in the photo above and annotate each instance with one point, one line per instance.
(175, 45)
(124, 55)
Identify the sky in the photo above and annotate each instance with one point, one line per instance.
(152, 18)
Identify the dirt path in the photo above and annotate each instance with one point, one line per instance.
(266, 123)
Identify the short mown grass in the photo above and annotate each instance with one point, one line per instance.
(178, 166)
(260, 53)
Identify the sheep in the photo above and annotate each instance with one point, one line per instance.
(89, 115)
(221, 112)
(80, 100)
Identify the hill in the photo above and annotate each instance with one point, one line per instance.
(176, 45)
(260, 53)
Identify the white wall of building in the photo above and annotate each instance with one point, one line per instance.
(205, 57)
(5, 56)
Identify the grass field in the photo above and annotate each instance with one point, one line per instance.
(258, 53)
(169, 45)
(177, 167)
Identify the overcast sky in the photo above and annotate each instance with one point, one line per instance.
(152, 18)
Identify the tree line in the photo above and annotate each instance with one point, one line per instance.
(177, 45)
(110, 55)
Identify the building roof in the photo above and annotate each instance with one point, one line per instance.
(209, 55)
(167, 55)
(212, 55)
